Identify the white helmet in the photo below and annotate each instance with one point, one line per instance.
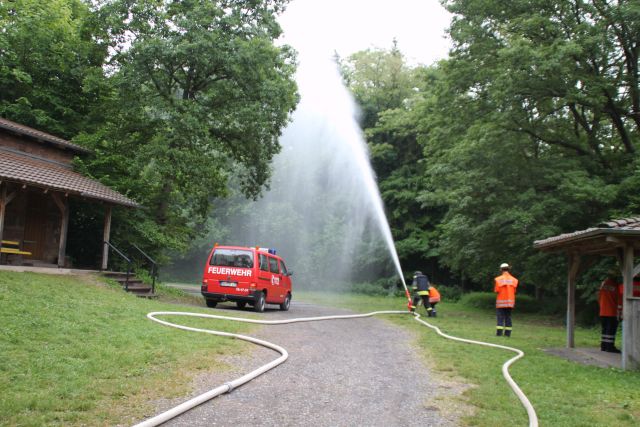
(504, 265)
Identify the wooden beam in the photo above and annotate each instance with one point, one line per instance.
(615, 240)
(105, 237)
(636, 270)
(63, 205)
(630, 314)
(573, 268)
(59, 202)
(3, 208)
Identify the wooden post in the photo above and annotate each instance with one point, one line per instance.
(574, 265)
(5, 199)
(630, 314)
(3, 208)
(63, 205)
(105, 237)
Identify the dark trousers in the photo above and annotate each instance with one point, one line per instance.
(432, 309)
(504, 321)
(425, 302)
(609, 330)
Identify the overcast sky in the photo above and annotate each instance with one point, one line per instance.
(347, 26)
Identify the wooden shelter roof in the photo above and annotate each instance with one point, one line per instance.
(603, 239)
(37, 135)
(36, 172)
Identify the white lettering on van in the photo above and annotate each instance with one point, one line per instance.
(275, 280)
(230, 271)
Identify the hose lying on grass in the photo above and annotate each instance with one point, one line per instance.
(227, 387)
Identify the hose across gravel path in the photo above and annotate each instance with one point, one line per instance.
(362, 371)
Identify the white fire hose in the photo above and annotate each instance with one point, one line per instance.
(227, 387)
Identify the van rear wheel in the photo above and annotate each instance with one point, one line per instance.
(259, 304)
(286, 303)
(211, 304)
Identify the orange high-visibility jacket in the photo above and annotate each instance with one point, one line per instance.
(505, 287)
(434, 295)
(610, 298)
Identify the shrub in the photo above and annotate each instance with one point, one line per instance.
(368, 289)
(484, 300)
(450, 293)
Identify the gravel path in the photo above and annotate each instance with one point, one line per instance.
(355, 372)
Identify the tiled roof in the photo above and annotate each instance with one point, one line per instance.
(616, 226)
(33, 133)
(31, 171)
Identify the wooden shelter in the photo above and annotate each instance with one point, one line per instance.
(36, 181)
(619, 239)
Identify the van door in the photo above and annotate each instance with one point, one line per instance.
(286, 279)
(264, 276)
(275, 295)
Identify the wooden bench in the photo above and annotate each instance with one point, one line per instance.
(12, 247)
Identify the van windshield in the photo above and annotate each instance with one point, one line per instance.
(232, 258)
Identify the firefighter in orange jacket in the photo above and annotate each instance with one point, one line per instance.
(505, 287)
(610, 301)
(434, 298)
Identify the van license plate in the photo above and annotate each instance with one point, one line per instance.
(229, 284)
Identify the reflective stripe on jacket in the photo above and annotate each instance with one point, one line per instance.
(505, 286)
(610, 298)
(434, 295)
(421, 284)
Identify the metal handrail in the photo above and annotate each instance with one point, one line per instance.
(126, 282)
(154, 268)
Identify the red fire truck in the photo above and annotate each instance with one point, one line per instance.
(254, 276)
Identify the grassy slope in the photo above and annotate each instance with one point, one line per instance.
(74, 353)
(563, 393)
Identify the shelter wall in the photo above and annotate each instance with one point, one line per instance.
(35, 148)
(33, 219)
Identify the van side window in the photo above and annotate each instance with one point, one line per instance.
(264, 265)
(283, 267)
(273, 265)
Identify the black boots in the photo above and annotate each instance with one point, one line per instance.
(609, 347)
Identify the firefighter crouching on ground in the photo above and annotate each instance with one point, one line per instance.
(422, 289)
(434, 298)
(505, 287)
(610, 301)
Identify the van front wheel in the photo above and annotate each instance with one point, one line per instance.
(286, 303)
(259, 304)
(211, 304)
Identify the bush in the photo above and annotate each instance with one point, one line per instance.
(487, 301)
(368, 289)
(449, 293)
(484, 300)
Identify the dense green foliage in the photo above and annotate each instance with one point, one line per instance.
(174, 98)
(529, 129)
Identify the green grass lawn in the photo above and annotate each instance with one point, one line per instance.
(79, 353)
(563, 393)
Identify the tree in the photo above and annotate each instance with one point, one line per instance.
(202, 94)
(531, 130)
(50, 66)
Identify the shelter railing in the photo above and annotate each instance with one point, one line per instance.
(124, 257)
(153, 270)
